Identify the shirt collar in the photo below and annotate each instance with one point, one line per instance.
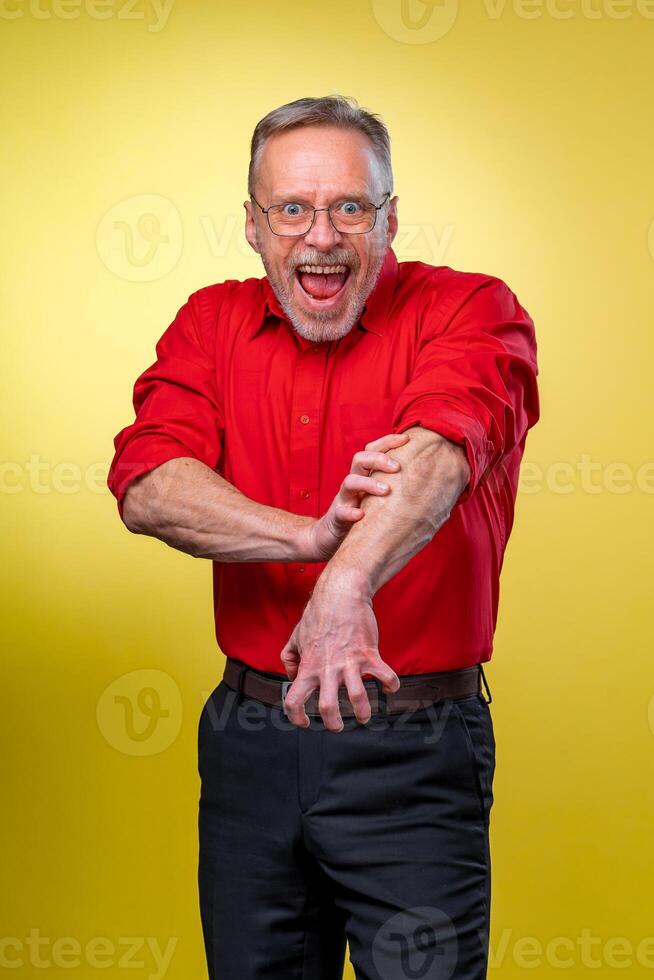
(375, 312)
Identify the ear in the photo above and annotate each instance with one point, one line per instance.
(392, 220)
(251, 226)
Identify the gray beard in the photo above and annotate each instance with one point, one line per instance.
(318, 327)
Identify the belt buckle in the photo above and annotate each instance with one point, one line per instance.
(285, 687)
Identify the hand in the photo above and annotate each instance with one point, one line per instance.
(334, 644)
(326, 534)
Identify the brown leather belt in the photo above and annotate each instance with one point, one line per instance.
(415, 691)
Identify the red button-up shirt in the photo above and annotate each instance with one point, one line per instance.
(280, 418)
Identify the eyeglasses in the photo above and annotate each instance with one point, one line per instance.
(350, 217)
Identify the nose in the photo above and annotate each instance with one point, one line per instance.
(322, 235)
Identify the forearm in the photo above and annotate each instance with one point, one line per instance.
(190, 507)
(433, 474)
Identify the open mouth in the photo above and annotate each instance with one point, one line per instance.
(322, 285)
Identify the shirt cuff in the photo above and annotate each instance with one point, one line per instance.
(458, 427)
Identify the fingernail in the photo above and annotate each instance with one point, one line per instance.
(394, 464)
(382, 486)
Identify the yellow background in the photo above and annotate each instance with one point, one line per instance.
(522, 147)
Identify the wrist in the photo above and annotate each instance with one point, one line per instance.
(303, 546)
(339, 577)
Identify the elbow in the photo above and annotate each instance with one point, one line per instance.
(146, 501)
(131, 513)
(136, 512)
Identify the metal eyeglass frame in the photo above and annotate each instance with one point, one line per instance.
(377, 208)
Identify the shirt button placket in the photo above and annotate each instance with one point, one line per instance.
(306, 415)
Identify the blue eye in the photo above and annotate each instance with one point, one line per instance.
(350, 208)
(292, 210)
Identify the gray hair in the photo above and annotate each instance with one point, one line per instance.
(329, 110)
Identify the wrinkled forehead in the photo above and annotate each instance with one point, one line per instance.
(319, 162)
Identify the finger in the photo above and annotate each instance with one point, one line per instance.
(348, 515)
(291, 662)
(358, 695)
(354, 484)
(290, 657)
(389, 679)
(296, 697)
(389, 441)
(328, 702)
(367, 459)
(364, 461)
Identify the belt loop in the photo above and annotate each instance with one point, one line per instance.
(483, 677)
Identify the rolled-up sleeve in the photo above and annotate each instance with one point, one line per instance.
(177, 407)
(474, 375)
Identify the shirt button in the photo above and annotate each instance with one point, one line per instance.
(300, 568)
(304, 419)
(304, 494)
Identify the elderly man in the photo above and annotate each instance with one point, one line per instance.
(342, 438)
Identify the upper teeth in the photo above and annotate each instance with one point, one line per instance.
(322, 268)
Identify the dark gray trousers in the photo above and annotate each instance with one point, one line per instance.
(377, 834)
